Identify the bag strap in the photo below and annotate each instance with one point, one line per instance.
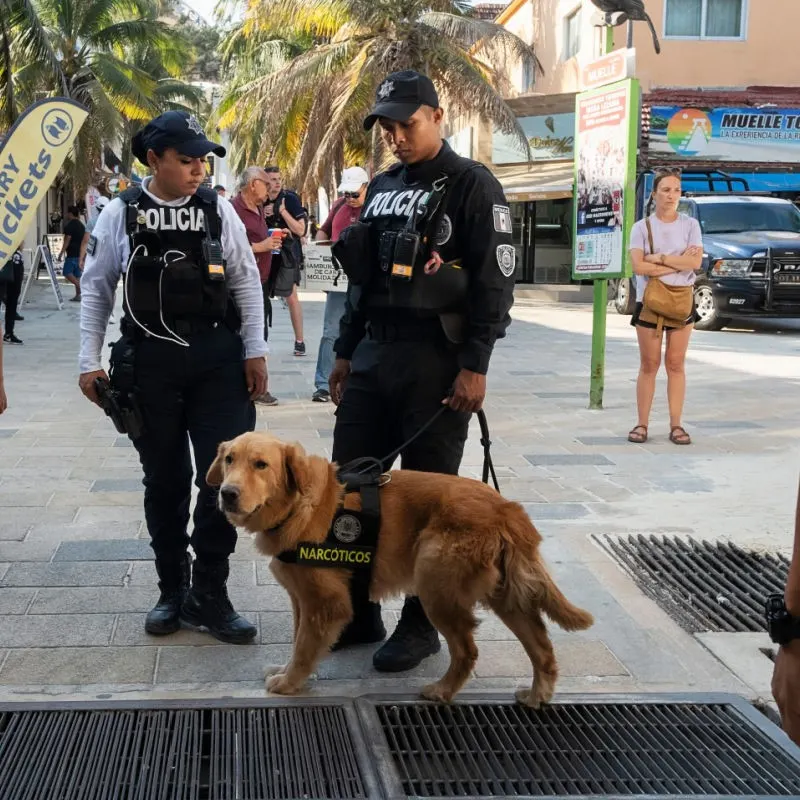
(649, 235)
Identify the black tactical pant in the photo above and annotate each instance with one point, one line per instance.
(9, 295)
(194, 394)
(397, 383)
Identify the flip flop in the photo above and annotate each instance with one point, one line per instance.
(636, 437)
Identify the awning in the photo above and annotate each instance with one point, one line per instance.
(548, 180)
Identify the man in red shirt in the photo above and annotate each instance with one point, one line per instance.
(344, 212)
(251, 194)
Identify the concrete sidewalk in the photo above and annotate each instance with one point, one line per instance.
(77, 578)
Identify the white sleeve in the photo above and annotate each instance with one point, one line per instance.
(244, 280)
(104, 266)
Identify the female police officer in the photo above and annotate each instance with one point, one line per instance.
(192, 357)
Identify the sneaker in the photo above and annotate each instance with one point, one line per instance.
(266, 399)
(299, 348)
(321, 396)
(75, 299)
(9, 338)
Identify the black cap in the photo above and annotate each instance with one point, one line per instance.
(174, 129)
(400, 95)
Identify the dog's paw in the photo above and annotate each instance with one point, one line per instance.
(273, 669)
(534, 698)
(437, 693)
(279, 684)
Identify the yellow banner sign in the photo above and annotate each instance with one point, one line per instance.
(30, 157)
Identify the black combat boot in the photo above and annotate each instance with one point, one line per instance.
(173, 584)
(366, 627)
(207, 605)
(413, 640)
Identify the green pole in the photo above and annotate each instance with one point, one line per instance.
(599, 308)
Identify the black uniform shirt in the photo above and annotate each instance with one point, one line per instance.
(476, 229)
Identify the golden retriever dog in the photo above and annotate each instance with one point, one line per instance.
(454, 542)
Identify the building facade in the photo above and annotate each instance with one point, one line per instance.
(734, 55)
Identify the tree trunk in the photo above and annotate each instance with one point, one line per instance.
(9, 87)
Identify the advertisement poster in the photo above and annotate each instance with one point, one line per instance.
(550, 136)
(764, 135)
(606, 127)
(320, 272)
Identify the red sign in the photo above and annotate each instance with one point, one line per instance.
(616, 66)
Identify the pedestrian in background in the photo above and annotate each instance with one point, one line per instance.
(74, 230)
(11, 277)
(665, 246)
(344, 212)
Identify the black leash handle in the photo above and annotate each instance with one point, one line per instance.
(366, 465)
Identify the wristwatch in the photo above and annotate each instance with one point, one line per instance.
(781, 625)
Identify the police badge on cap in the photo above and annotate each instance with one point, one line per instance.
(176, 129)
(400, 95)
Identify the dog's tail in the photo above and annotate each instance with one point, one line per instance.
(526, 584)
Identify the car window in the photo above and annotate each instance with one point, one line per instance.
(748, 216)
(685, 207)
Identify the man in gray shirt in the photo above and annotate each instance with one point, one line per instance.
(189, 363)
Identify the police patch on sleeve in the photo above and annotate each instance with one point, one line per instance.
(506, 258)
(502, 219)
(91, 245)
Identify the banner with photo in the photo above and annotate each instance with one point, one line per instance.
(763, 135)
(606, 132)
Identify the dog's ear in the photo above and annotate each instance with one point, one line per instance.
(214, 475)
(298, 470)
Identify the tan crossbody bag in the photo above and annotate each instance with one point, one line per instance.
(664, 304)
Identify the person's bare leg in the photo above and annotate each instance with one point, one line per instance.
(295, 314)
(650, 361)
(675, 360)
(75, 282)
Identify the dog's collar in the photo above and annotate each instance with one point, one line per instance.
(276, 528)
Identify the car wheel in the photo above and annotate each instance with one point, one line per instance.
(625, 298)
(707, 311)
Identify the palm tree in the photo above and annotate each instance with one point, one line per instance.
(305, 109)
(92, 42)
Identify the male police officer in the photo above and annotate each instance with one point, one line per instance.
(191, 357)
(431, 268)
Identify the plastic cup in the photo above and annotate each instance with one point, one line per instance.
(276, 232)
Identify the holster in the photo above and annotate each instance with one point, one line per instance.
(352, 252)
(120, 401)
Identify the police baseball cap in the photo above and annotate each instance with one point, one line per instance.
(176, 129)
(400, 95)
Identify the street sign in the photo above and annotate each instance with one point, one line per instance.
(320, 272)
(616, 66)
(606, 129)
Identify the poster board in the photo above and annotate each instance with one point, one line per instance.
(320, 271)
(44, 257)
(606, 133)
(55, 241)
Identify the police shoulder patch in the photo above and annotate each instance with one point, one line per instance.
(91, 245)
(502, 219)
(506, 259)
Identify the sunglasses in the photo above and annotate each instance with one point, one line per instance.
(351, 195)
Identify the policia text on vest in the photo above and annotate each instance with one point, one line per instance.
(191, 357)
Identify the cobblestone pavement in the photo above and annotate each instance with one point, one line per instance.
(76, 575)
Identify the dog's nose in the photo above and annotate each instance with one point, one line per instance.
(230, 496)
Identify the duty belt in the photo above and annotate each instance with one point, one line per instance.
(423, 329)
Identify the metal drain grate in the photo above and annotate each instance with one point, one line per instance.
(704, 587)
(172, 754)
(481, 750)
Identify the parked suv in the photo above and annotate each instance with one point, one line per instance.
(751, 259)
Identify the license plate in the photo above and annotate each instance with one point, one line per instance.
(783, 277)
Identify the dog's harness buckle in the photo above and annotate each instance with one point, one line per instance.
(353, 536)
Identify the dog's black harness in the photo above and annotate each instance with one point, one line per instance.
(353, 537)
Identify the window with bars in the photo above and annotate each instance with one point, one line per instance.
(705, 19)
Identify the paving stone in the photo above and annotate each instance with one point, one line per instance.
(242, 573)
(562, 395)
(276, 627)
(604, 440)
(212, 664)
(264, 575)
(80, 666)
(13, 531)
(26, 551)
(131, 633)
(74, 574)
(727, 424)
(259, 598)
(569, 460)
(9, 497)
(542, 511)
(123, 441)
(118, 485)
(576, 658)
(89, 531)
(104, 550)
(106, 514)
(94, 600)
(56, 630)
(7, 433)
(15, 601)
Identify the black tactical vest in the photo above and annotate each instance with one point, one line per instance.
(168, 273)
(393, 197)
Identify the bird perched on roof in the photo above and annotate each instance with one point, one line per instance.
(628, 10)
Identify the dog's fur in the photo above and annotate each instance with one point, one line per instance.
(452, 541)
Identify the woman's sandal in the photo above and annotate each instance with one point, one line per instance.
(636, 437)
(678, 435)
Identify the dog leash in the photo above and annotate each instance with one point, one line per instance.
(369, 465)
